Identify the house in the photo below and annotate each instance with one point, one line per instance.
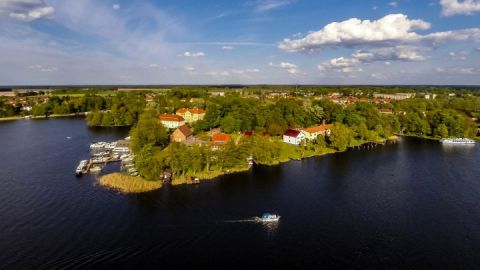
(220, 139)
(181, 134)
(191, 115)
(172, 120)
(312, 133)
(248, 133)
(293, 136)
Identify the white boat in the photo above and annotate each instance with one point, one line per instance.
(457, 141)
(267, 217)
(81, 166)
(96, 169)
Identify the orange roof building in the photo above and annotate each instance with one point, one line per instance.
(172, 120)
(311, 133)
(220, 139)
(191, 115)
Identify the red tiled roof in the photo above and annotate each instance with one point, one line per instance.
(220, 138)
(248, 133)
(171, 117)
(292, 133)
(185, 130)
(319, 128)
(192, 111)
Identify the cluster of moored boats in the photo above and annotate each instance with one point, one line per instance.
(105, 152)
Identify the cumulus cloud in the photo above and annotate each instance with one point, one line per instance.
(193, 54)
(361, 57)
(454, 7)
(391, 30)
(26, 10)
(355, 32)
(399, 53)
(289, 67)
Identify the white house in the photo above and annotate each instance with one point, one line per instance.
(172, 120)
(294, 137)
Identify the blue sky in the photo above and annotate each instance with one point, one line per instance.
(248, 42)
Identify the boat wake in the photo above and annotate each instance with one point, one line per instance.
(249, 220)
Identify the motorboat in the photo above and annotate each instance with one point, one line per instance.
(267, 217)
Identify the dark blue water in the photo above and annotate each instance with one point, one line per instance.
(410, 205)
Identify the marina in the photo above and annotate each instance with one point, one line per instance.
(102, 153)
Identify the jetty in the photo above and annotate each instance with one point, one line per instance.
(103, 153)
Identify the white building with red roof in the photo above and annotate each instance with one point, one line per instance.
(172, 120)
(293, 136)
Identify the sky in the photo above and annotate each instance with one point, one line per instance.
(68, 42)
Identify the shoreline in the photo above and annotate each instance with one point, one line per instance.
(213, 175)
(14, 118)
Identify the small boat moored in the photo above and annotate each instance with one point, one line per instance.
(81, 167)
(267, 217)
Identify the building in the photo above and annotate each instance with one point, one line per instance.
(386, 111)
(293, 136)
(172, 120)
(191, 115)
(220, 139)
(181, 134)
(312, 133)
(396, 96)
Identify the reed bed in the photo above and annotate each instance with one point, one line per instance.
(128, 184)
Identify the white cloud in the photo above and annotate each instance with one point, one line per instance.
(267, 5)
(457, 70)
(116, 6)
(193, 54)
(391, 30)
(289, 67)
(399, 53)
(362, 57)
(245, 71)
(354, 32)
(43, 68)
(393, 4)
(461, 55)
(454, 7)
(26, 10)
(226, 47)
(189, 68)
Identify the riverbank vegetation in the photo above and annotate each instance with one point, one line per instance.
(128, 184)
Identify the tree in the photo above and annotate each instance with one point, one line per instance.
(340, 136)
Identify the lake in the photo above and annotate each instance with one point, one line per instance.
(414, 204)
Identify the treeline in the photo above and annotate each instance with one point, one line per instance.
(122, 109)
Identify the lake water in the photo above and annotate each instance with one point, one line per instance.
(410, 205)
